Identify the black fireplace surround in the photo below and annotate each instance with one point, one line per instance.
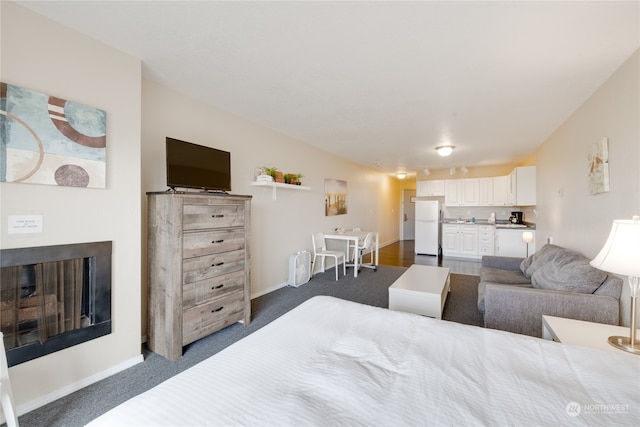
(92, 303)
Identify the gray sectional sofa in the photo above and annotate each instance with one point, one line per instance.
(514, 293)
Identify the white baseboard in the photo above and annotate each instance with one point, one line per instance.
(60, 393)
(271, 289)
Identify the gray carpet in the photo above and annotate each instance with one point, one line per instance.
(370, 288)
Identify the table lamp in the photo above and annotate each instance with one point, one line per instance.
(621, 255)
(527, 237)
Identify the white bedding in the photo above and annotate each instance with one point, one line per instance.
(331, 362)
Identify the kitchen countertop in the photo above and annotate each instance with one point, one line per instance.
(500, 223)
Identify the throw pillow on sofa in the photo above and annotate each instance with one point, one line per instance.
(562, 269)
(529, 265)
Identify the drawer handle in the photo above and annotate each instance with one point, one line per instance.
(217, 241)
(215, 310)
(217, 287)
(217, 264)
(217, 216)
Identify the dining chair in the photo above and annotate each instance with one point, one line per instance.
(359, 249)
(320, 250)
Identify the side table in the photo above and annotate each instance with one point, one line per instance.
(579, 332)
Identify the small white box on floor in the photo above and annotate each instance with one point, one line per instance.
(422, 289)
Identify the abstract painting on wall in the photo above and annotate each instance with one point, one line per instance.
(599, 167)
(49, 140)
(335, 197)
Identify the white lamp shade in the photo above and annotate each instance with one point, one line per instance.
(621, 252)
(527, 237)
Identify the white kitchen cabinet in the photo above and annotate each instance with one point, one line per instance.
(450, 239)
(501, 186)
(452, 192)
(509, 242)
(470, 190)
(486, 240)
(485, 192)
(525, 190)
(516, 189)
(430, 188)
(460, 240)
(512, 188)
(461, 192)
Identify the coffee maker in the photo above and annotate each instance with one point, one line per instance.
(516, 217)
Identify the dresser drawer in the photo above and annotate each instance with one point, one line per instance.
(204, 319)
(198, 217)
(205, 267)
(199, 243)
(199, 292)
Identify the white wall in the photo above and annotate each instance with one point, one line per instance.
(41, 55)
(279, 227)
(567, 212)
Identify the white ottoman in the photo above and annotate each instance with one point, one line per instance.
(422, 289)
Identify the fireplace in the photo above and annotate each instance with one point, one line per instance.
(54, 297)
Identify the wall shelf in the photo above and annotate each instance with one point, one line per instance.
(275, 185)
(280, 185)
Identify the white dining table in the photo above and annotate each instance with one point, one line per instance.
(353, 237)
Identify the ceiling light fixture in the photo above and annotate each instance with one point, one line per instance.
(445, 150)
(427, 171)
(401, 175)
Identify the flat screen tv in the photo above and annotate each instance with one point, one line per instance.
(196, 166)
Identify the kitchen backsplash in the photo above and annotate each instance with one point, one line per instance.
(484, 212)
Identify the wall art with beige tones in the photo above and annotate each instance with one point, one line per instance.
(49, 140)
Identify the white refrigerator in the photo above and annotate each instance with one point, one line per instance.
(427, 227)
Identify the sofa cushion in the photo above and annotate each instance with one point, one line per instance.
(506, 277)
(482, 288)
(564, 270)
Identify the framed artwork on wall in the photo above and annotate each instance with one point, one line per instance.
(50, 140)
(335, 197)
(599, 167)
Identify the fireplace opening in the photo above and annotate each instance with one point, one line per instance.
(54, 297)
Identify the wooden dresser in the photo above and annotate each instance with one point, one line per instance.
(199, 269)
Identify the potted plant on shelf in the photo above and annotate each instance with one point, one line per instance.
(287, 178)
(270, 171)
(298, 178)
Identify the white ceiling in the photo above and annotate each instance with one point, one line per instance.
(379, 83)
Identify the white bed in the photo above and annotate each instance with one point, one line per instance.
(331, 362)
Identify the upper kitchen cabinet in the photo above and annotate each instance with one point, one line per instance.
(430, 188)
(461, 192)
(485, 192)
(525, 185)
(516, 189)
(501, 190)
